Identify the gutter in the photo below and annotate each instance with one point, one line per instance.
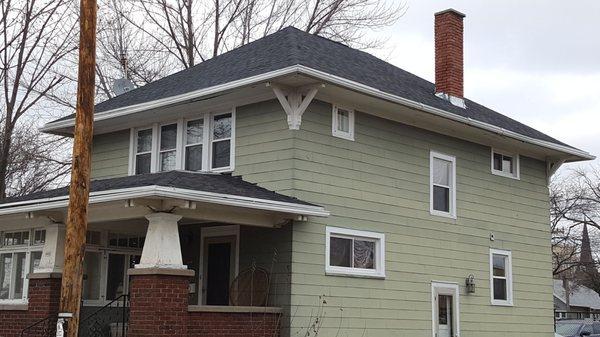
(167, 192)
(352, 85)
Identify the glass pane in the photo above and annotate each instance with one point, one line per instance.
(499, 289)
(21, 273)
(36, 257)
(167, 161)
(364, 254)
(5, 274)
(441, 198)
(168, 137)
(25, 238)
(195, 131)
(222, 126)
(113, 239)
(221, 153)
(92, 264)
(443, 309)
(142, 163)
(340, 251)
(144, 140)
(343, 120)
(193, 158)
(441, 171)
(507, 164)
(116, 276)
(499, 265)
(497, 162)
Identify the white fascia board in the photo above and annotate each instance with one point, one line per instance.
(352, 85)
(168, 192)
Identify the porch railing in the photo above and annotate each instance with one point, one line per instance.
(108, 321)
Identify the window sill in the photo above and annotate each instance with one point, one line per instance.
(506, 175)
(502, 303)
(17, 305)
(342, 135)
(442, 214)
(357, 274)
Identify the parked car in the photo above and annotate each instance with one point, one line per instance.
(577, 328)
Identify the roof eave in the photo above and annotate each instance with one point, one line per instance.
(167, 192)
(571, 154)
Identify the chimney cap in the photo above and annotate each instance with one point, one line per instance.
(450, 10)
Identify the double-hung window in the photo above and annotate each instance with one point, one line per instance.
(501, 277)
(505, 164)
(221, 141)
(168, 147)
(442, 185)
(143, 151)
(354, 253)
(19, 256)
(342, 122)
(202, 143)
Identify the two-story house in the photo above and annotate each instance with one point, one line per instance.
(300, 187)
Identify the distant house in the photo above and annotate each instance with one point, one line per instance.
(584, 302)
(376, 202)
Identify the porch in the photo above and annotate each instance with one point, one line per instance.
(185, 262)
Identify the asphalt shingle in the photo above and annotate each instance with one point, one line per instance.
(214, 183)
(291, 46)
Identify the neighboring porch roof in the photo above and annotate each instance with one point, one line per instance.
(218, 189)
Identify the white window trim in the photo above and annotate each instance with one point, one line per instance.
(334, 123)
(205, 131)
(445, 288)
(516, 162)
(180, 149)
(379, 238)
(231, 144)
(176, 149)
(452, 159)
(509, 278)
(28, 249)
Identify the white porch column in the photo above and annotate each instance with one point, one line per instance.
(162, 249)
(53, 253)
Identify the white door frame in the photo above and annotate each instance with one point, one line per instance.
(216, 231)
(445, 288)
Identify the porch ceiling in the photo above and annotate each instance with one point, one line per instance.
(195, 196)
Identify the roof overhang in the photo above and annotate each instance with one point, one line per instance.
(155, 191)
(540, 149)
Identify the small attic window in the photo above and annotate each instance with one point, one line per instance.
(505, 164)
(342, 124)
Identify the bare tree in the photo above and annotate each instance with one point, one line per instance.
(36, 36)
(191, 31)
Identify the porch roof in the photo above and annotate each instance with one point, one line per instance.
(219, 189)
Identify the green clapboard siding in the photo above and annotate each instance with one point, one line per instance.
(110, 155)
(380, 183)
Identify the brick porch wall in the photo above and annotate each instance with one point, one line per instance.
(204, 324)
(44, 298)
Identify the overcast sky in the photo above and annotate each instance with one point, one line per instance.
(535, 61)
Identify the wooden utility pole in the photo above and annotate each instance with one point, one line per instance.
(70, 297)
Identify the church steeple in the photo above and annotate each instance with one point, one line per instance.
(585, 258)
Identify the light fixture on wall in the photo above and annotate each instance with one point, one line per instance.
(470, 283)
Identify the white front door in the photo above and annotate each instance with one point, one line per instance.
(445, 309)
(444, 315)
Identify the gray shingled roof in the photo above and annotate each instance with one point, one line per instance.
(581, 296)
(214, 183)
(290, 47)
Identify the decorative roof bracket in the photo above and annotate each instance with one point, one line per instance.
(294, 101)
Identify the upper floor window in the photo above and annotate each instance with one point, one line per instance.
(205, 143)
(505, 164)
(501, 277)
(442, 184)
(354, 253)
(342, 123)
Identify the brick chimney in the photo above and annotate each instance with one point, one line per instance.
(449, 82)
